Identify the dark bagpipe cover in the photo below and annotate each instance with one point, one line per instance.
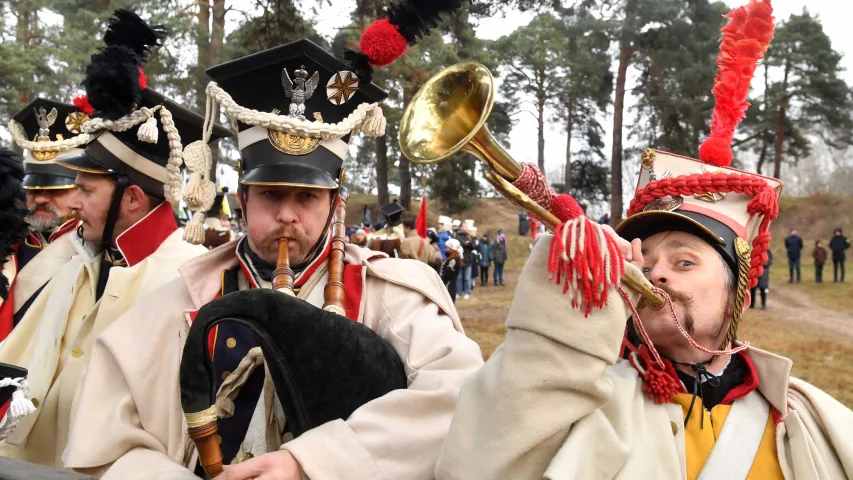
(323, 366)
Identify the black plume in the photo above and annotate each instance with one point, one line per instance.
(125, 28)
(112, 82)
(12, 211)
(415, 18)
(359, 64)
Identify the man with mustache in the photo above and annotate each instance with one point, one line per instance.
(290, 187)
(50, 130)
(127, 244)
(688, 400)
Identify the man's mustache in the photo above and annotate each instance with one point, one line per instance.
(45, 207)
(684, 299)
(287, 231)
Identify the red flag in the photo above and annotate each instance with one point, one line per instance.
(421, 223)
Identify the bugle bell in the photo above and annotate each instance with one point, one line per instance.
(448, 115)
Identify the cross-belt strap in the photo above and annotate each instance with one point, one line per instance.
(735, 449)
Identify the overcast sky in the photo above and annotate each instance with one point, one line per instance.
(523, 138)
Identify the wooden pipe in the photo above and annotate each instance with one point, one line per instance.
(333, 293)
(282, 277)
(207, 443)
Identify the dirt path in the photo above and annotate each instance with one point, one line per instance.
(787, 304)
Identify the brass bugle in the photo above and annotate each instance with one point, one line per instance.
(282, 277)
(448, 115)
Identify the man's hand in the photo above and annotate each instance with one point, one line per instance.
(270, 466)
(632, 251)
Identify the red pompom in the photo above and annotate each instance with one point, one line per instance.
(383, 43)
(716, 151)
(143, 80)
(565, 207)
(82, 103)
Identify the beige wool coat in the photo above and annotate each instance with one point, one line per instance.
(554, 402)
(54, 339)
(130, 424)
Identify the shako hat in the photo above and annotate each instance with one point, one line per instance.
(728, 208)
(48, 131)
(124, 137)
(295, 107)
(392, 213)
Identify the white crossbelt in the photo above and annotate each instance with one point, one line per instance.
(735, 449)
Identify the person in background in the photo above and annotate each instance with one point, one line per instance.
(534, 226)
(838, 245)
(456, 224)
(359, 238)
(819, 255)
(463, 286)
(794, 247)
(523, 223)
(475, 259)
(413, 246)
(445, 227)
(499, 255)
(485, 252)
(451, 266)
(604, 219)
(763, 285)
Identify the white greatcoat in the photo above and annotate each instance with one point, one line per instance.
(554, 402)
(131, 424)
(54, 339)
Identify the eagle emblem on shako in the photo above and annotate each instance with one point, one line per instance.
(299, 90)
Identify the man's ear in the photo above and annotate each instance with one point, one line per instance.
(747, 301)
(135, 199)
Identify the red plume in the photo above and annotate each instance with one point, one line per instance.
(82, 102)
(745, 39)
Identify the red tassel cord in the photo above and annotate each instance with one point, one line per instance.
(745, 39)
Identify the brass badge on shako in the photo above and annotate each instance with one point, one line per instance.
(298, 90)
(292, 144)
(45, 121)
(665, 204)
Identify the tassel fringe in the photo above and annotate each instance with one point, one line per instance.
(148, 131)
(200, 192)
(375, 123)
(586, 261)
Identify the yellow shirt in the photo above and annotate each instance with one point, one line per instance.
(699, 441)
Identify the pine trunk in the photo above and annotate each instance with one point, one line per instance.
(780, 125)
(540, 109)
(762, 157)
(567, 176)
(403, 167)
(625, 52)
(23, 37)
(382, 170)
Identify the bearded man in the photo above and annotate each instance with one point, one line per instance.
(290, 188)
(47, 131)
(689, 400)
(127, 243)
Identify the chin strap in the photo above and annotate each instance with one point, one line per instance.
(109, 228)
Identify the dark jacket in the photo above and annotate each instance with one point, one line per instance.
(838, 245)
(794, 246)
(499, 252)
(819, 255)
(467, 246)
(449, 273)
(764, 279)
(485, 251)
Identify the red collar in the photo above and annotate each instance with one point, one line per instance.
(750, 381)
(69, 226)
(145, 236)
